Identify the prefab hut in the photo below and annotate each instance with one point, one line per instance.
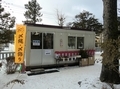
(43, 42)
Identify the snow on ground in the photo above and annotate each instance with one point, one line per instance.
(67, 78)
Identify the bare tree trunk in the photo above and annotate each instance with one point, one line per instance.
(110, 19)
(60, 18)
(110, 32)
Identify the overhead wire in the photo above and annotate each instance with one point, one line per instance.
(18, 9)
(22, 9)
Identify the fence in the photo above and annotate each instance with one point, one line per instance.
(4, 55)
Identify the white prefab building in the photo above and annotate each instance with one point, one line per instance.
(44, 41)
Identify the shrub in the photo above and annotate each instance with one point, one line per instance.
(11, 65)
(83, 53)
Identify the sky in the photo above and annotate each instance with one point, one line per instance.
(69, 8)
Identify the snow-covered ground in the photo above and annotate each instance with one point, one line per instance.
(74, 77)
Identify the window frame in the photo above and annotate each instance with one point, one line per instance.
(37, 38)
(52, 42)
(82, 39)
(73, 45)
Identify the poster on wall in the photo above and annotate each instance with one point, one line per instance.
(36, 42)
(47, 52)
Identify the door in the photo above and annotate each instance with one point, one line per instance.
(48, 52)
(36, 49)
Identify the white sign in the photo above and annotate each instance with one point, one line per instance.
(47, 52)
(36, 42)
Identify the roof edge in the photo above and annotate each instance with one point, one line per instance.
(54, 26)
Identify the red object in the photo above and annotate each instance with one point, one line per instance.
(67, 53)
(90, 52)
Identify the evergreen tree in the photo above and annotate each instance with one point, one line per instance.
(87, 20)
(6, 22)
(32, 13)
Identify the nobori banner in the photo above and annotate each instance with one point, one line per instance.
(20, 43)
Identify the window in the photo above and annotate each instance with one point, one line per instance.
(48, 41)
(71, 42)
(80, 42)
(36, 40)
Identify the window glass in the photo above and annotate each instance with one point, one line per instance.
(71, 42)
(36, 40)
(80, 42)
(48, 41)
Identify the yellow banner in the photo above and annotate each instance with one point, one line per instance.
(20, 43)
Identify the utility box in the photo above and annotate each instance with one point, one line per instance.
(83, 62)
(91, 61)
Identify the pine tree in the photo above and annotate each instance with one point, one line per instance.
(87, 20)
(32, 13)
(6, 22)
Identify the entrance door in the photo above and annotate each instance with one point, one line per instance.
(36, 49)
(42, 52)
(47, 53)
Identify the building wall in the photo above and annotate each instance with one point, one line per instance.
(89, 37)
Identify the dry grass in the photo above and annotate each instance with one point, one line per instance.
(16, 81)
(11, 66)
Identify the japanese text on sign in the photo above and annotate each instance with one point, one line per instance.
(20, 43)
